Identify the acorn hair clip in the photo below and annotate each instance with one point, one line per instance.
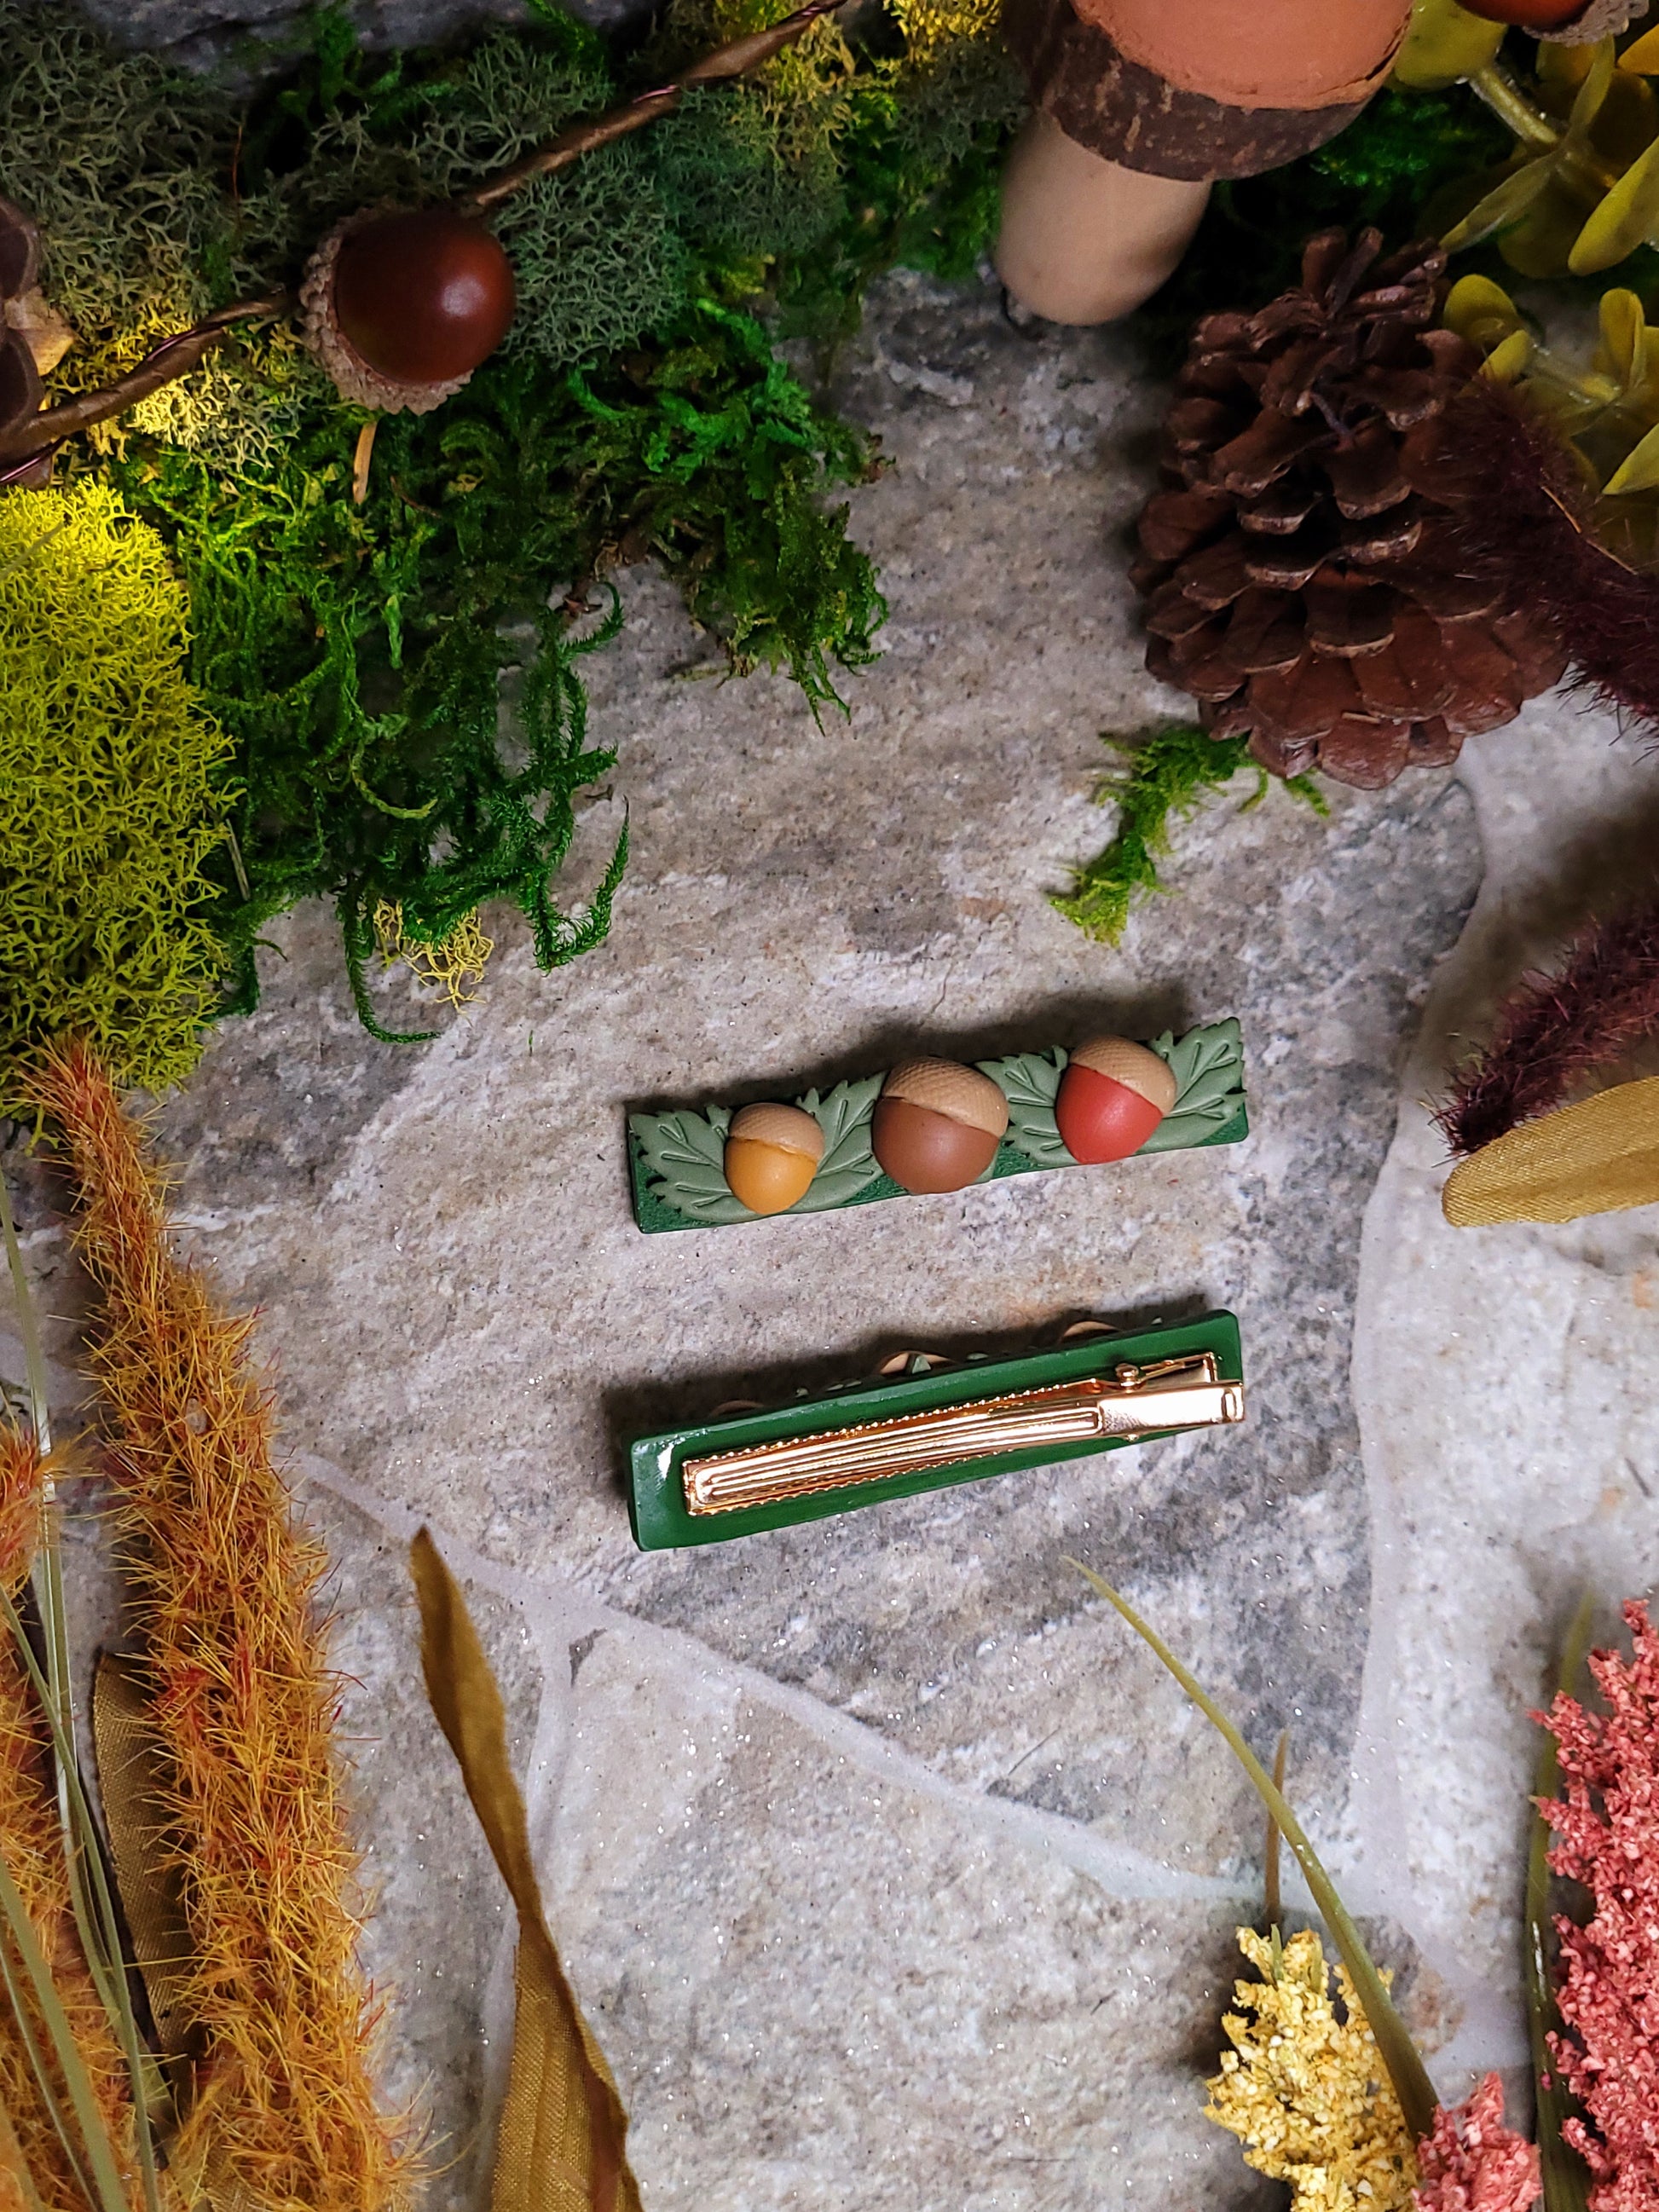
(925, 1424)
(931, 1126)
(1525, 1154)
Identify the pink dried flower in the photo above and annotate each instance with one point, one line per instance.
(1474, 2163)
(1607, 1824)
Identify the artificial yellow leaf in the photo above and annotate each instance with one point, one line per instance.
(1506, 204)
(1624, 353)
(1480, 311)
(1509, 361)
(1561, 63)
(1627, 217)
(1638, 470)
(1595, 1158)
(1445, 44)
(1538, 246)
(561, 2145)
(1598, 83)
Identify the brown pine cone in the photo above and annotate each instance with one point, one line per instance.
(1301, 575)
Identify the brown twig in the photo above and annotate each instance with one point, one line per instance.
(25, 441)
(360, 460)
(728, 61)
(175, 356)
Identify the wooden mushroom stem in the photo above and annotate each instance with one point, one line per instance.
(175, 356)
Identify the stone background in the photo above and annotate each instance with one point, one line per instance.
(890, 1872)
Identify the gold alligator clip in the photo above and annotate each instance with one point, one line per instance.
(1129, 1403)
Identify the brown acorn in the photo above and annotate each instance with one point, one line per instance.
(772, 1154)
(937, 1124)
(401, 304)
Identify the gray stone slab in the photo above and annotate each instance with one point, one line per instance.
(468, 1327)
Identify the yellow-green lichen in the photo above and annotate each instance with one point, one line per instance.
(110, 793)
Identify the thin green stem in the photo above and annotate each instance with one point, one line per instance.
(1418, 2101)
(111, 2191)
(1566, 2176)
(100, 1945)
(42, 2073)
(1272, 1901)
(1527, 122)
(103, 1948)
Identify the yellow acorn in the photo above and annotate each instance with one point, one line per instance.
(772, 1154)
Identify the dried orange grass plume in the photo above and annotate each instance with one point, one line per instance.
(223, 1581)
(34, 1844)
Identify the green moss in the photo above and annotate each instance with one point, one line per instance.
(362, 656)
(1168, 775)
(112, 801)
(356, 653)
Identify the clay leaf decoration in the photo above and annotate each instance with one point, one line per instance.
(1031, 1082)
(685, 1153)
(848, 1165)
(1208, 1065)
(1598, 1157)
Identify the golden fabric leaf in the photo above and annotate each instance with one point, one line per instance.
(1594, 1158)
(562, 2146)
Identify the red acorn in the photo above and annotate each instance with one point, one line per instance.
(1112, 1096)
(402, 305)
(1526, 15)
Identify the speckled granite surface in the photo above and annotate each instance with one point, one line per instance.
(891, 1872)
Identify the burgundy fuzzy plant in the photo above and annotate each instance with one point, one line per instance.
(1525, 524)
(1553, 1030)
(1606, 1825)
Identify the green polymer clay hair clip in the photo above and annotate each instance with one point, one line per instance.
(937, 1124)
(930, 1424)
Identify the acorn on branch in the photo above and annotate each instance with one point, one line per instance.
(1574, 22)
(401, 304)
(1304, 575)
(33, 336)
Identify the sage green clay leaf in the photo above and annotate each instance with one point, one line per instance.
(1031, 1082)
(1208, 1065)
(847, 1164)
(685, 1153)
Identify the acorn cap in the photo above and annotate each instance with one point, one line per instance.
(789, 1128)
(353, 377)
(945, 1086)
(1134, 1066)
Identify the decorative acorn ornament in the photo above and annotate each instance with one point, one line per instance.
(1112, 1095)
(1583, 20)
(401, 304)
(772, 1154)
(937, 1124)
(34, 336)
